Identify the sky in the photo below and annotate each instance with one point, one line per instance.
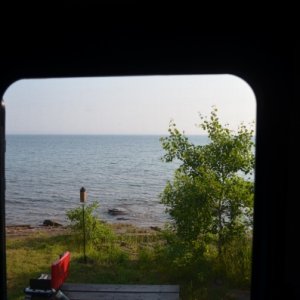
(126, 105)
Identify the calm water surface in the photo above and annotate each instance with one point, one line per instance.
(45, 173)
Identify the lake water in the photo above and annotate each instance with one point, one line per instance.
(44, 174)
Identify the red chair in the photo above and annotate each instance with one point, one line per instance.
(48, 286)
(60, 270)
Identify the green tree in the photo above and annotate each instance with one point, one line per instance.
(210, 198)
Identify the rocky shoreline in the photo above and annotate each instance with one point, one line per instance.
(25, 230)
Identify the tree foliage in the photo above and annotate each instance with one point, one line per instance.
(210, 197)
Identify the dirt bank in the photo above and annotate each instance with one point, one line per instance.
(119, 228)
(25, 230)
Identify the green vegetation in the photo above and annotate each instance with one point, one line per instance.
(125, 259)
(96, 232)
(210, 201)
(206, 249)
(135, 256)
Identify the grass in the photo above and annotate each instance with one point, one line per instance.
(28, 258)
(124, 261)
(135, 256)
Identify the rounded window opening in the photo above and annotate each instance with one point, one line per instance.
(150, 151)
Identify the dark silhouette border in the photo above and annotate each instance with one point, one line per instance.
(265, 61)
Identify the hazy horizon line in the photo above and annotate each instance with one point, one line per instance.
(103, 134)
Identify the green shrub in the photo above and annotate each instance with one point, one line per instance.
(211, 194)
(210, 202)
(236, 262)
(97, 233)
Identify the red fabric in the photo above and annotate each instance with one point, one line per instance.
(60, 270)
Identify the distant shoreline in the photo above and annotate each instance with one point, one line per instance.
(100, 134)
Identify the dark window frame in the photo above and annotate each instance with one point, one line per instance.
(265, 62)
